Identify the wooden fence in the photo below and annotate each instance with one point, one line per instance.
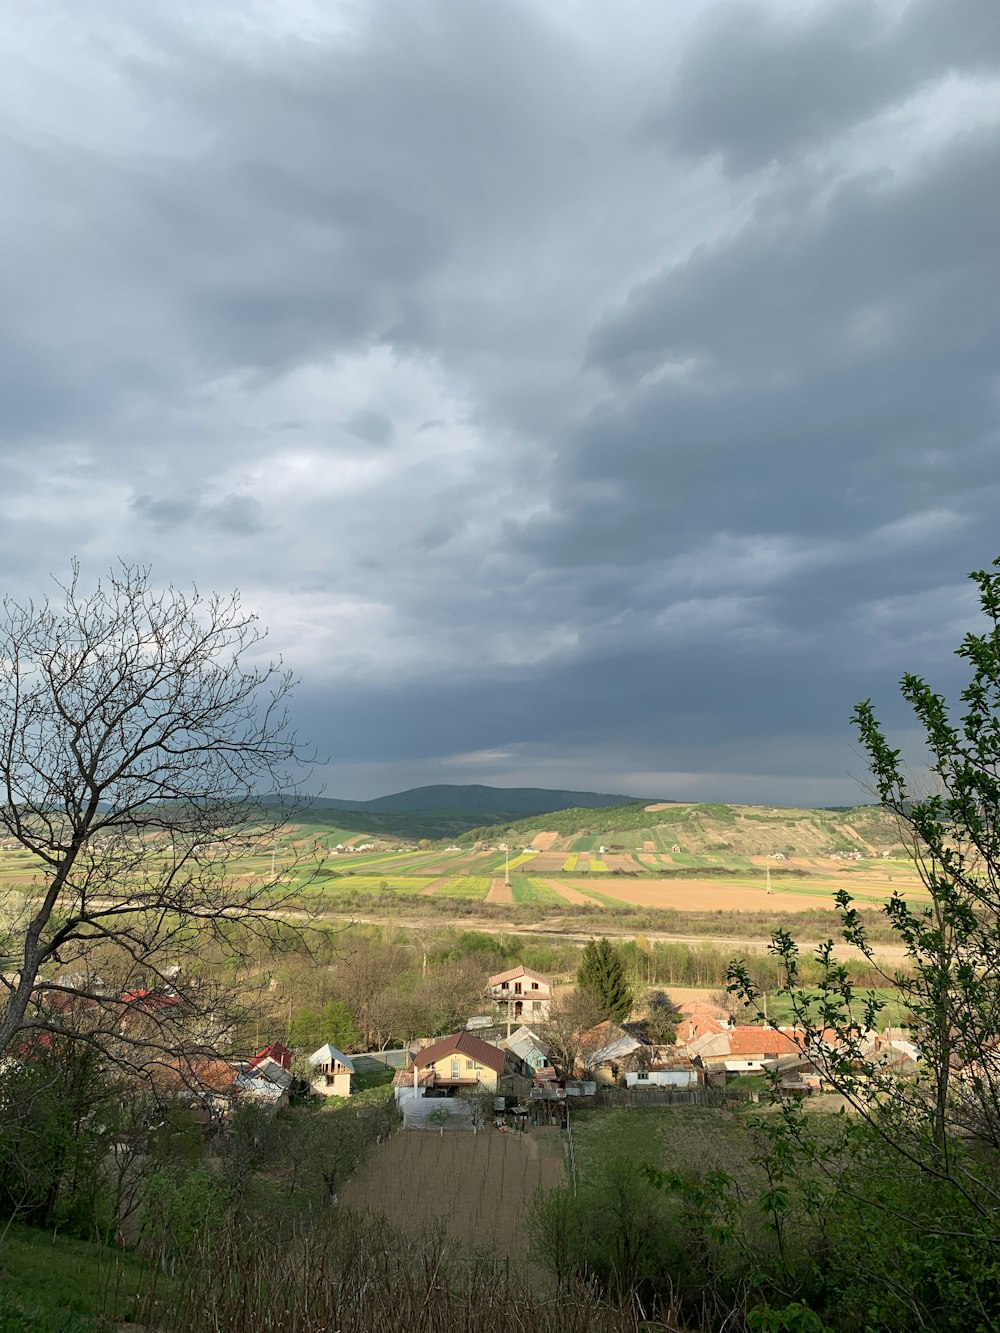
(612, 1098)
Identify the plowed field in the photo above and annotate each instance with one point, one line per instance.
(544, 841)
(701, 895)
(500, 892)
(478, 1186)
(568, 893)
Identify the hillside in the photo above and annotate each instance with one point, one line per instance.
(700, 830)
(448, 810)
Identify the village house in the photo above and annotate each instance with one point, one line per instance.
(205, 1084)
(742, 1050)
(607, 1052)
(528, 1045)
(333, 1070)
(521, 993)
(463, 1062)
(266, 1079)
(669, 1068)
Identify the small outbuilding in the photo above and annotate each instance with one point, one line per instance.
(333, 1070)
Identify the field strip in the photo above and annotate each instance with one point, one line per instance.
(567, 892)
(436, 884)
(544, 841)
(500, 892)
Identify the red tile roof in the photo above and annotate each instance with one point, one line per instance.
(517, 972)
(749, 1041)
(279, 1054)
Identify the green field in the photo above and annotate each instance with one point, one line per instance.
(695, 1138)
(59, 1285)
(473, 887)
(533, 891)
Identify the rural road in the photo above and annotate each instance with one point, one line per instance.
(888, 953)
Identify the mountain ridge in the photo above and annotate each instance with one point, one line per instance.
(476, 796)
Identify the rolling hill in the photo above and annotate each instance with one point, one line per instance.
(708, 830)
(448, 810)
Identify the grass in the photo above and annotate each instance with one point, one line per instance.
(473, 887)
(570, 862)
(376, 883)
(894, 1014)
(57, 1285)
(696, 1138)
(532, 891)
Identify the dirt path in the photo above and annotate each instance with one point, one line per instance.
(567, 892)
(499, 892)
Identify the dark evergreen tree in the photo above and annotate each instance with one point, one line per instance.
(602, 973)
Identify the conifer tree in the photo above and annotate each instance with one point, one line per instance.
(602, 973)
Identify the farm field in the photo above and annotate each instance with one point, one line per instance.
(734, 894)
(693, 1138)
(476, 1186)
(718, 865)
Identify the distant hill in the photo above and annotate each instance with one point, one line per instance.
(512, 801)
(447, 810)
(708, 830)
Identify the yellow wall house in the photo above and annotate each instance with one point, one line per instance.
(462, 1061)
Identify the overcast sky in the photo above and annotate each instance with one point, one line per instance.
(586, 395)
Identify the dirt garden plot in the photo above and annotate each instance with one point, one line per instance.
(477, 1186)
(568, 893)
(543, 842)
(615, 861)
(500, 892)
(546, 862)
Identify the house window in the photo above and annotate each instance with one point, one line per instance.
(517, 988)
(534, 985)
(642, 1075)
(455, 1069)
(504, 985)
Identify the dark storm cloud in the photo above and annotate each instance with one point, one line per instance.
(586, 393)
(759, 84)
(373, 427)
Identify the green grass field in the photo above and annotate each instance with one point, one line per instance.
(473, 887)
(52, 1285)
(695, 1138)
(533, 891)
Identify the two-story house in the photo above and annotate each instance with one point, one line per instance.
(522, 994)
(463, 1062)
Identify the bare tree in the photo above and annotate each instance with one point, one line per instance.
(138, 729)
(571, 1014)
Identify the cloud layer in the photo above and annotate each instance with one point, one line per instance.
(584, 396)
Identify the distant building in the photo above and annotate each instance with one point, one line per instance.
(522, 992)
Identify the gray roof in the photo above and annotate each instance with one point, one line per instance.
(328, 1055)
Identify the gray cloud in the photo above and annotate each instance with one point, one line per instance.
(610, 399)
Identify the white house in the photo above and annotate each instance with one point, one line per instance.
(522, 992)
(333, 1072)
